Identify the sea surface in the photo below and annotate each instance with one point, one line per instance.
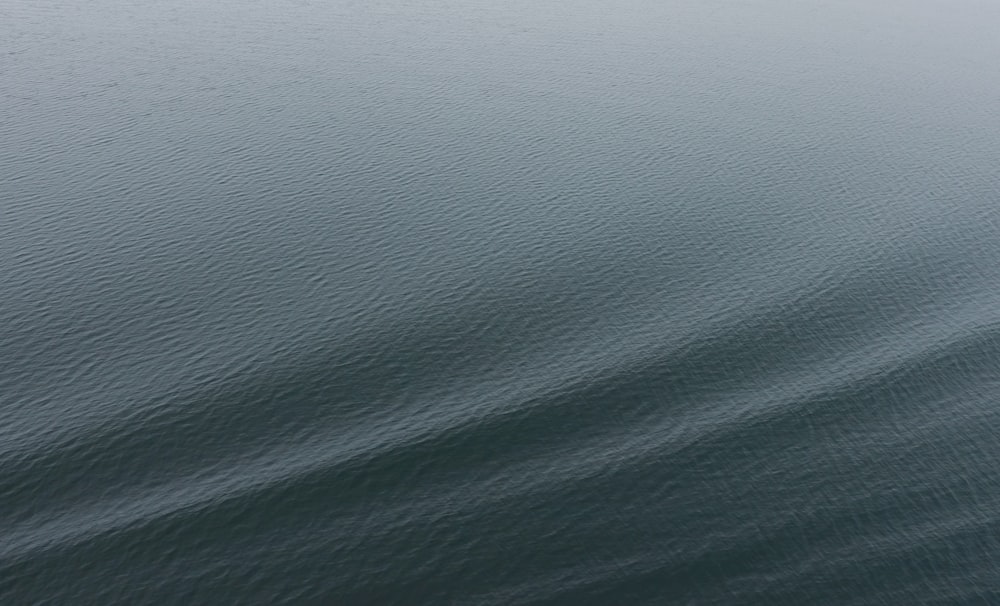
(469, 302)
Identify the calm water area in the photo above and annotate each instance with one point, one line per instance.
(500, 303)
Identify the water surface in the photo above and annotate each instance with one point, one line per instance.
(456, 302)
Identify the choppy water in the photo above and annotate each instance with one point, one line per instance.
(466, 302)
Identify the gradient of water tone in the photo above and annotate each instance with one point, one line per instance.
(467, 302)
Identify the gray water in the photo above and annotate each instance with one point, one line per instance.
(467, 302)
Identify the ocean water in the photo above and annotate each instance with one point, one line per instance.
(467, 302)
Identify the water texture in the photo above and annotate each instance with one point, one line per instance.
(467, 302)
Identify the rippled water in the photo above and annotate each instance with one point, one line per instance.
(457, 302)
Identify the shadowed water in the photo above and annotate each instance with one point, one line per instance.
(499, 303)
